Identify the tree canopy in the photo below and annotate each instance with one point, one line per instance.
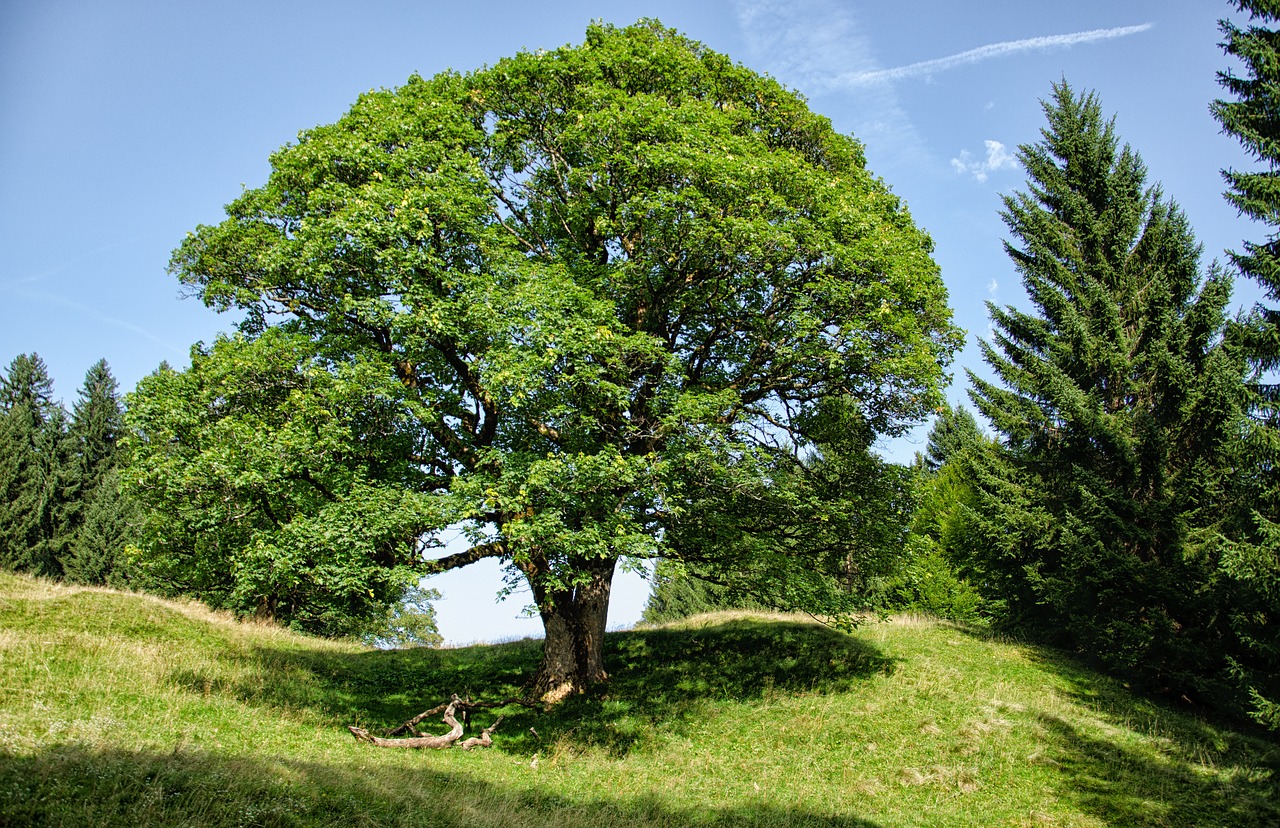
(593, 285)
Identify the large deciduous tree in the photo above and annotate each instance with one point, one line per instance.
(1117, 404)
(604, 280)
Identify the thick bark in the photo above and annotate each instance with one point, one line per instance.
(573, 619)
(574, 623)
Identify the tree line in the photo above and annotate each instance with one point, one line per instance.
(630, 301)
(62, 513)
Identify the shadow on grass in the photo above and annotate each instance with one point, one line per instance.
(661, 680)
(1168, 786)
(76, 786)
(1155, 762)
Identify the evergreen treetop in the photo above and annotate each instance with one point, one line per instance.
(1252, 118)
(97, 418)
(1116, 403)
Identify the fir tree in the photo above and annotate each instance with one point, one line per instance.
(1252, 561)
(97, 514)
(1116, 405)
(33, 469)
(952, 432)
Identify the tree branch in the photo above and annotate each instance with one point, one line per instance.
(476, 553)
(418, 742)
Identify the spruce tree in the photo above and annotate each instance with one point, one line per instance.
(34, 455)
(19, 522)
(1115, 403)
(952, 432)
(97, 418)
(1252, 561)
(934, 573)
(26, 384)
(1252, 118)
(97, 518)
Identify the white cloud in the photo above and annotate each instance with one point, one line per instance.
(819, 47)
(998, 158)
(992, 288)
(865, 77)
(806, 44)
(783, 36)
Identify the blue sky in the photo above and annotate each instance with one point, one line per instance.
(123, 125)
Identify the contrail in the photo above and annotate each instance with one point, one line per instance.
(55, 299)
(992, 50)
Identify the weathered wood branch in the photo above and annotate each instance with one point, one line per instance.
(485, 739)
(464, 705)
(417, 742)
(426, 714)
(454, 705)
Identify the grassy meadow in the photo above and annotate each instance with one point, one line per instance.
(126, 710)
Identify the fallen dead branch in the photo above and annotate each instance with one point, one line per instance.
(485, 739)
(450, 709)
(465, 706)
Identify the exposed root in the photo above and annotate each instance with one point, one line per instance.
(557, 694)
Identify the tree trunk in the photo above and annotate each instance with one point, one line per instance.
(574, 623)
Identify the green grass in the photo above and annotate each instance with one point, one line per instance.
(126, 710)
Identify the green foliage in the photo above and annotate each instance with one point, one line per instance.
(36, 484)
(278, 484)
(598, 278)
(932, 575)
(927, 582)
(109, 521)
(817, 532)
(678, 594)
(1251, 562)
(1101, 517)
(410, 622)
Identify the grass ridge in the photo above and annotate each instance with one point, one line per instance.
(128, 710)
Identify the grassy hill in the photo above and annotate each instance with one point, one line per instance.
(126, 710)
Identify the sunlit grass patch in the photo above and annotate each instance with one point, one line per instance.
(125, 710)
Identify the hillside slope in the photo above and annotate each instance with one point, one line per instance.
(126, 710)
